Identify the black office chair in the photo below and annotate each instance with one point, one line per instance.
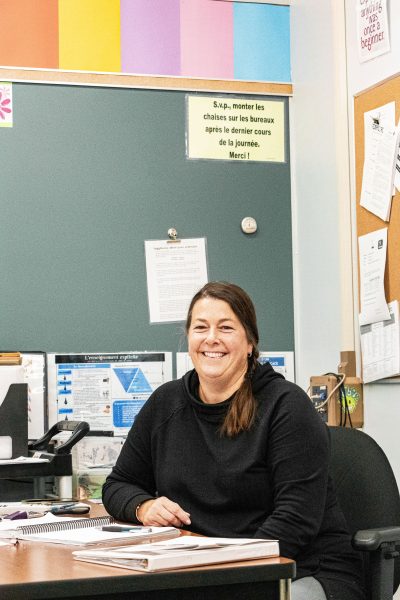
(369, 498)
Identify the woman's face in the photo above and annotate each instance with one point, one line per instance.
(218, 345)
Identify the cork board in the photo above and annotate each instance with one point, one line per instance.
(387, 91)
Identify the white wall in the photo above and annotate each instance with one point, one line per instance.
(323, 297)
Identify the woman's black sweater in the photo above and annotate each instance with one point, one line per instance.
(268, 482)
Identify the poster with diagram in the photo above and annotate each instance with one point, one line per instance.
(106, 390)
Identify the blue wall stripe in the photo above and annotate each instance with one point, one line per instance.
(261, 42)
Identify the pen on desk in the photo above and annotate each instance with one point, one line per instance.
(66, 509)
(126, 528)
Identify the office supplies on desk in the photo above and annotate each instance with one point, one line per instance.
(18, 514)
(49, 502)
(127, 528)
(83, 532)
(34, 509)
(70, 509)
(187, 551)
(10, 507)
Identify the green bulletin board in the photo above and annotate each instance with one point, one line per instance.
(87, 175)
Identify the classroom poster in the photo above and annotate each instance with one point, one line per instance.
(238, 129)
(372, 29)
(106, 390)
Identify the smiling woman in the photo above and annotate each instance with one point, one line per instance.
(222, 343)
(219, 349)
(234, 450)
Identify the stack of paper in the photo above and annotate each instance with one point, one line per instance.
(81, 532)
(187, 551)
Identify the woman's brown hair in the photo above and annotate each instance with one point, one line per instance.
(243, 407)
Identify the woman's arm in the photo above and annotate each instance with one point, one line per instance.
(130, 493)
(131, 482)
(298, 459)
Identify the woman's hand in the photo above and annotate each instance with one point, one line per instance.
(161, 512)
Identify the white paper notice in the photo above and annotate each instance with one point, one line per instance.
(372, 250)
(380, 347)
(384, 115)
(176, 270)
(381, 143)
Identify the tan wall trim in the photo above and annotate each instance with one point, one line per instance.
(145, 81)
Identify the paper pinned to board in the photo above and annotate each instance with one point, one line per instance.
(381, 140)
(380, 347)
(175, 270)
(372, 251)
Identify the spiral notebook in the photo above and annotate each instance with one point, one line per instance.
(83, 532)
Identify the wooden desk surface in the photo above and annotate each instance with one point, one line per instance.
(32, 570)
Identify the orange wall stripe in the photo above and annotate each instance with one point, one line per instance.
(29, 33)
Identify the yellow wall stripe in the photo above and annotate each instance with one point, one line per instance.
(89, 35)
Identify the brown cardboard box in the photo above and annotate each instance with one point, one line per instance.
(328, 402)
(337, 413)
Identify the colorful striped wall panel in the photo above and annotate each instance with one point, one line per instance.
(188, 38)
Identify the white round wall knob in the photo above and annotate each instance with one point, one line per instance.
(249, 225)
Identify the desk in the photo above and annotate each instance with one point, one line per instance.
(33, 571)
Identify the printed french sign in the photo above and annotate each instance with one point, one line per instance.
(239, 129)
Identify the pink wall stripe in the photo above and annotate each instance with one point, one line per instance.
(150, 37)
(207, 39)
